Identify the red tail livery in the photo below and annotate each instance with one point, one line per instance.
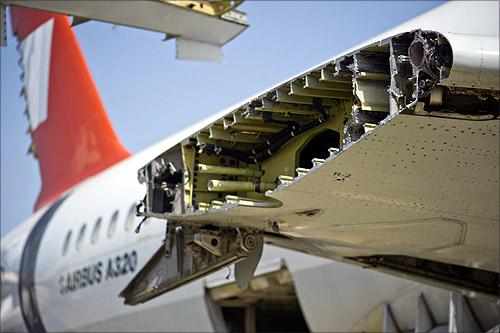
(72, 136)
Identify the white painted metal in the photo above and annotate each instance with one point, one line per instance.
(192, 50)
(390, 324)
(35, 50)
(475, 61)
(424, 320)
(151, 15)
(461, 317)
(199, 36)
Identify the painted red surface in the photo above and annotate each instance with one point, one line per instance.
(77, 140)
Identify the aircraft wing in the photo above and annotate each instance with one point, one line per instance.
(385, 156)
(200, 28)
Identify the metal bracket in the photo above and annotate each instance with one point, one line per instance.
(190, 252)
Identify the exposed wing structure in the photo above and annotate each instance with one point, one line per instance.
(386, 157)
(200, 28)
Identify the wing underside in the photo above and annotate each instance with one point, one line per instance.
(386, 157)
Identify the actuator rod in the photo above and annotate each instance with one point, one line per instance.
(222, 170)
(235, 186)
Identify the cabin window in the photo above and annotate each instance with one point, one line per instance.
(95, 232)
(66, 243)
(81, 234)
(129, 222)
(112, 224)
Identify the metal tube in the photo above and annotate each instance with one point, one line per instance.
(235, 186)
(221, 170)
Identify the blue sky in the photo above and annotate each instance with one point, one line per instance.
(149, 95)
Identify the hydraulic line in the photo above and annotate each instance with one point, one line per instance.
(222, 170)
(237, 186)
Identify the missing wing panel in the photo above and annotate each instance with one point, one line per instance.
(287, 144)
(296, 126)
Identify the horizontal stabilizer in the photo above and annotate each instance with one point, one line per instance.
(201, 27)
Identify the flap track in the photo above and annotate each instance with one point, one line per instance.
(190, 252)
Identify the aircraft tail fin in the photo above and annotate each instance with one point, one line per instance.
(72, 136)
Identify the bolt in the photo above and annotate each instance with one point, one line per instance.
(250, 242)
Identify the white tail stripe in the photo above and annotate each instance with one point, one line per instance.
(35, 50)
